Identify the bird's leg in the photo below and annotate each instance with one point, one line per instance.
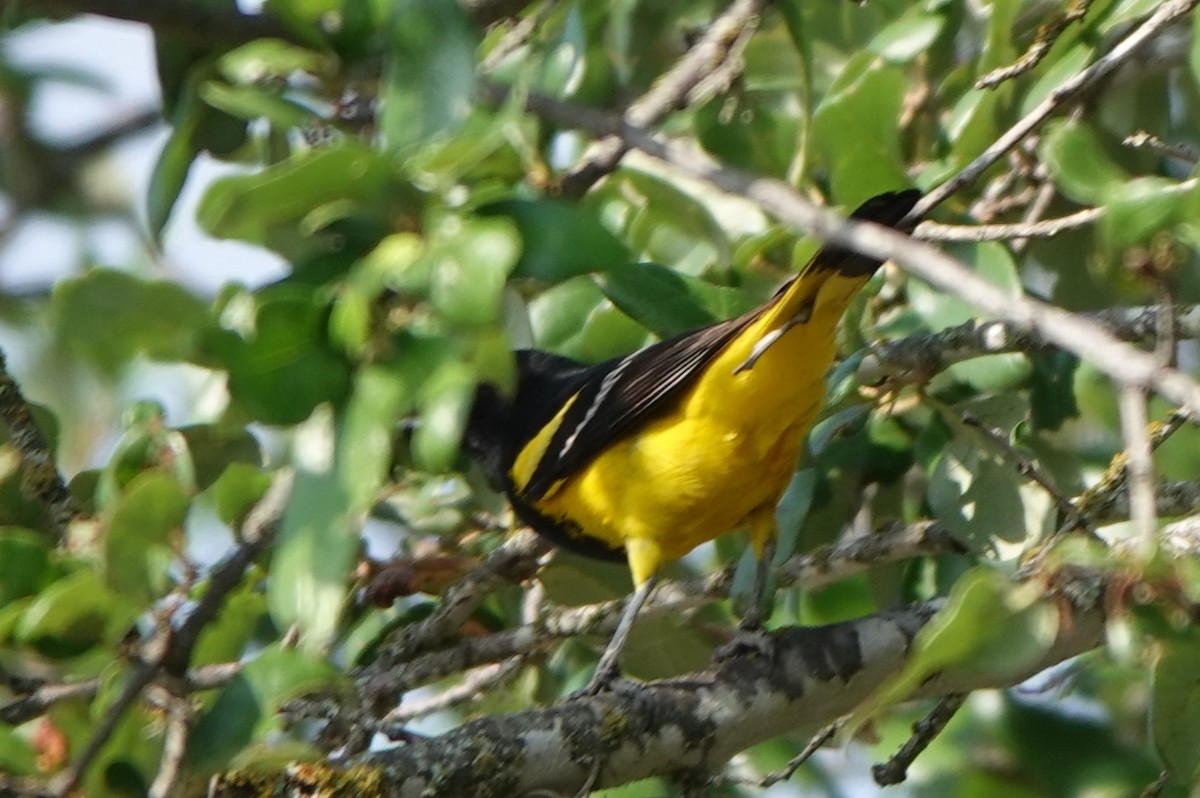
(755, 614)
(609, 667)
(750, 635)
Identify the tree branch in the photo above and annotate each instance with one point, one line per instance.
(918, 357)
(1069, 89)
(40, 477)
(692, 724)
(690, 80)
(170, 650)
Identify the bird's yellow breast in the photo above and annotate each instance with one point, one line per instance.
(723, 456)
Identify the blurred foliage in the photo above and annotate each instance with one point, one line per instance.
(424, 241)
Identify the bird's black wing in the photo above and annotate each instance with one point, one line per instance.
(618, 396)
(621, 394)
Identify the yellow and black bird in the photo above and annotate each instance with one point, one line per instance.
(647, 456)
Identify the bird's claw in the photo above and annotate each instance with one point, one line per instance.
(747, 640)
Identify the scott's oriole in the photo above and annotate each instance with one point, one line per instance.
(648, 455)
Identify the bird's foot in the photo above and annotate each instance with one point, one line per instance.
(748, 640)
(606, 680)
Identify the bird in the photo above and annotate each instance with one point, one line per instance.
(646, 456)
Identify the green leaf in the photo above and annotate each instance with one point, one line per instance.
(1052, 389)
(1056, 72)
(254, 102)
(430, 78)
(471, 266)
(792, 511)
(336, 484)
(169, 176)
(73, 615)
(146, 444)
(445, 403)
(317, 540)
(989, 260)
(226, 637)
(237, 490)
(17, 757)
(286, 366)
(560, 240)
(1139, 209)
(1194, 51)
(664, 646)
(271, 59)
(975, 492)
(558, 314)
(245, 711)
(854, 129)
(196, 126)
(249, 207)
(214, 447)
(990, 626)
(825, 431)
(573, 580)
(751, 130)
(139, 544)
(676, 224)
(1079, 164)
(566, 59)
(664, 301)
(364, 455)
(24, 563)
(1175, 709)
(991, 373)
(909, 36)
(109, 316)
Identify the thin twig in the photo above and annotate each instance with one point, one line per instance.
(1140, 470)
(472, 686)
(1047, 228)
(1157, 787)
(1046, 36)
(1143, 140)
(514, 39)
(30, 706)
(919, 357)
(170, 650)
(17, 787)
(1025, 465)
(816, 743)
(1057, 326)
(1102, 500)
(895, 770)
(41, 479)
(701, 73)
(1165, 14)
(1171, 498)
(1037, 209)
(513, 561)
(166, 782)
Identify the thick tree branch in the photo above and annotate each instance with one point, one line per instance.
(693, 724)
(40, 477)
